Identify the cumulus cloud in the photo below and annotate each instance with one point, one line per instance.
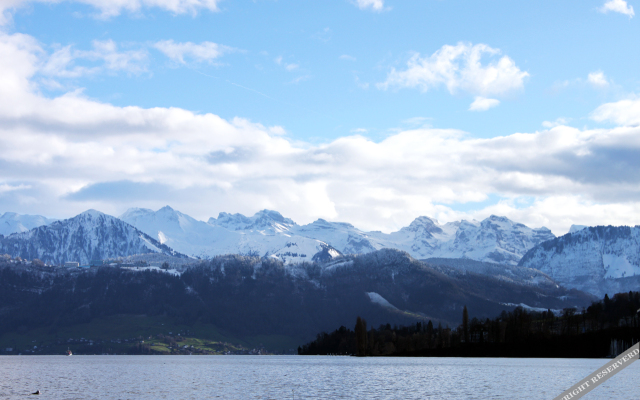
(205, 51)
(619, 6)
(623, 112)
(483, 104)
(375, 5)
(64, 154)
(460, 69)
(598, 79)
(111, 8)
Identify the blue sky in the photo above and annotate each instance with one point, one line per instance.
(367, 111)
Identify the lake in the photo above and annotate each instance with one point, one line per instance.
(302, 377)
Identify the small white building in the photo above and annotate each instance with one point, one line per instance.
(72, 264)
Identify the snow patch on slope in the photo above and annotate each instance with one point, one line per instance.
(376, 298)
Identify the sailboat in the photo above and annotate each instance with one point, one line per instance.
(69, 353)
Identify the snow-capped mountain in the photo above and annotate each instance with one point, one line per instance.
(267, 233)
(91, 235)
(183, 233)
(266, 222)
(496, 239)
(597, 259)
(11, 222)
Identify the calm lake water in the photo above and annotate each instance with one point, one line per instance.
(301, 377)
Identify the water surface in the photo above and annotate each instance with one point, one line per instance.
(302, 377)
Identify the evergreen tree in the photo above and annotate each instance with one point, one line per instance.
(465, 324)
(361, 337)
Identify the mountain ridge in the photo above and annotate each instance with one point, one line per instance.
(91, 235)
(596, 259)
(268, 233)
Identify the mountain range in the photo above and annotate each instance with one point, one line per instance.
(597, 260)
(268, 233)
(496, 239)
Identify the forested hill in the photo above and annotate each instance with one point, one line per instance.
(604, 329)
(249, 296)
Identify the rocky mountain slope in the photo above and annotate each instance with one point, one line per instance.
(91, 235)
(599, 260)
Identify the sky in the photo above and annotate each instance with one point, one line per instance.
(372, 112)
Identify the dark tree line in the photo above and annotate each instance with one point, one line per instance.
(589, 332)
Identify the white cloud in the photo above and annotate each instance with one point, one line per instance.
(375, 5)
(205, 51)
(360, 84)
(288, 66)
(359, 130)
(460, 68)
(598, 79)
(277, 130)
(104, 56)
(418, 122)
(299, 79)
(71, 153)
(619, 6)
(483, 104)
(558, 122)
(623, 112)
(111, 8)
(4, 188)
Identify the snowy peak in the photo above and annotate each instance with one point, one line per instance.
(424, 226)
(576, 228)
(266, 221)
(182, 232)
(135, 213)
(495, 239)
(11, 222)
